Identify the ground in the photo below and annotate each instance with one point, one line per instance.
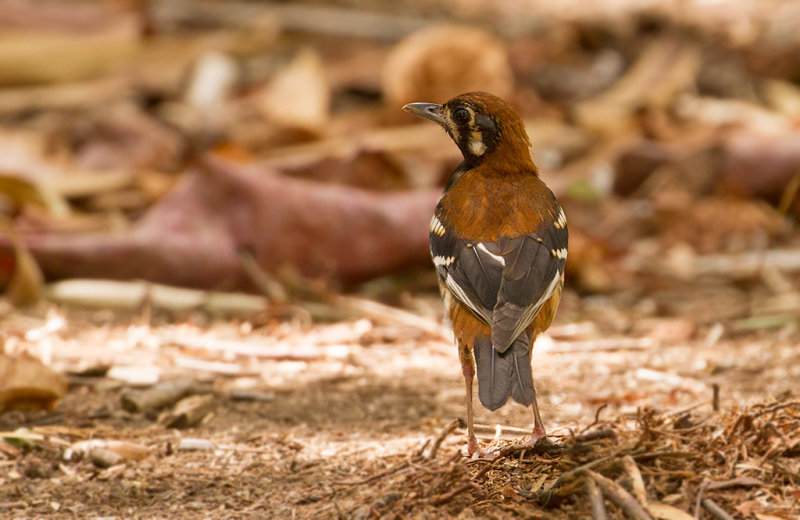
(343, 427)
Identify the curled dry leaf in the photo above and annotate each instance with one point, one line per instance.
(26, 383)
(25, 282)
(441, 62)
(298, 97)
(193, 235)
(661, 511)
(665, 69)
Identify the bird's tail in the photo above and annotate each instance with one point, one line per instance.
(504, 374)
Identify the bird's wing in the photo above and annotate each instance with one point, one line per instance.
(505, 283)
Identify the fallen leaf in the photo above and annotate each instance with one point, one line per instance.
(27, 384)
(192, 237)
(662, 511)
(299, 96)
(438, 63)
(664, 69)
(25, 286)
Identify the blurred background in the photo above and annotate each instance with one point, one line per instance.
(229, 191)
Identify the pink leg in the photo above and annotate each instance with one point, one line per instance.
(538, 426)
(468, 369)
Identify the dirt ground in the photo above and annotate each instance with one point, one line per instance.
(343, 429)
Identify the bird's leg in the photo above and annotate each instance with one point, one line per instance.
(468, 369)
(538, 426)
(469, 373)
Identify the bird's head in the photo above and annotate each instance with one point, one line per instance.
(482, 125)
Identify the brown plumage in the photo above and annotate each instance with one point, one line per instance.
(499, 243)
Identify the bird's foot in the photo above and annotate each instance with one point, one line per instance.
(474, 450)
(537, 434)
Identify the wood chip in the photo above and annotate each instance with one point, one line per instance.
(158, 396)
(190, 411)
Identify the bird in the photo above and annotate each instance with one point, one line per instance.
(498, 241)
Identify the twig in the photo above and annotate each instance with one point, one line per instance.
(620, 497)
(568, 475)
(422, 448)
(383, 312)
(447, 497)
(775, 408)
(376, 476)
(159, 395)
(716, 511)
(637, 484)
(715, 397)
(595, 435)
(595, 500)
(596, 416)
(505, 452)
(270, 287)
(441, 437)
(699, 499)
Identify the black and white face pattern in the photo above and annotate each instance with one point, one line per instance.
(475, 133)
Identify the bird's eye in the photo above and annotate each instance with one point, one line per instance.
(461, 116)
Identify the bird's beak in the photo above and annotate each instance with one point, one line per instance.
(430, 111)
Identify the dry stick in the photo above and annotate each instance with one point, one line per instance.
(699, 500)
(620, 497)
(565, 477)
(377, 476)
(440, 439)
(270, 287)
(776, 407)
(636, 479)
(447, 497)
(380, 311)
(596, 416)
(502, 454)
(158, 396)
(716, 511)
(595, 500)
(420, 451)
(595, 435)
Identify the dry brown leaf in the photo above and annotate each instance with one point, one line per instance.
(216, 211)
(24, 191)
(439, 63)
(26, 383)
(663, 70)
(661, 511)
(25, 286)
(299, 96)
